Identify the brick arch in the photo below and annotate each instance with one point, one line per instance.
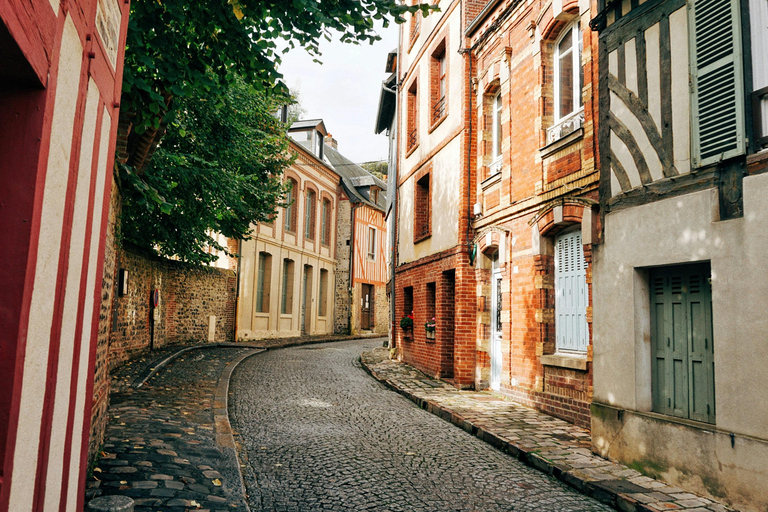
(552, 26)
(557, 217)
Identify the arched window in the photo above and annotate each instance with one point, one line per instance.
(569, 74)
(309, 216)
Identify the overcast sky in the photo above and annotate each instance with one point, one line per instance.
(344, 91)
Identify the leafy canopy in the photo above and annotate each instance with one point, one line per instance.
(217, 171)
(182, 48)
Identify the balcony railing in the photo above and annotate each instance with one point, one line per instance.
(760, 117)
(438, 110)
(565, 126)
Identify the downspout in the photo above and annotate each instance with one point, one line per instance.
(395, 180)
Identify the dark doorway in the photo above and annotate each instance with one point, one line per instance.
(366, 309)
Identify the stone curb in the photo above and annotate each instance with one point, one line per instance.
(156, 367)
(224, 436)
(570, 477)
(289, 342)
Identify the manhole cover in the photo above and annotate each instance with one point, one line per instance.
(620, 486)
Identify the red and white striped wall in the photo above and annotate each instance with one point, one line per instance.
(59, 99)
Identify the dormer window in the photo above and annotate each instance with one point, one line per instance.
(374, 195)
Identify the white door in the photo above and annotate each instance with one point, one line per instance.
(496, 324)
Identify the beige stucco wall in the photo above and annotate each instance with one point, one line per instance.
(673, 231)
(271, 238)
(445, 188)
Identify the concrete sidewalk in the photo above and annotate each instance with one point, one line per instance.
(551, 445)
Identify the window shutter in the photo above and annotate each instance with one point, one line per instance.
(717, 105)
(260, 285)
(701, 384)
(570, 294)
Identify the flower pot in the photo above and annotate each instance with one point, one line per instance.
(430, 335)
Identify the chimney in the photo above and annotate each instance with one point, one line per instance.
(330, 141)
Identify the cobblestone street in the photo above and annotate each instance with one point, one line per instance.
(317, 433)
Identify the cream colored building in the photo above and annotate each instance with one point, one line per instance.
(287, 270)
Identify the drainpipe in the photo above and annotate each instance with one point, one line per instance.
(395, 164)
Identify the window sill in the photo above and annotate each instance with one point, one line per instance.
(573, 362)
(437, 123)
(421, 238)
(487, 182)
(562, 142)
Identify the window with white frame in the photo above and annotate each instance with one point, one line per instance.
(569, 74)
(496, 135)
(371, 243)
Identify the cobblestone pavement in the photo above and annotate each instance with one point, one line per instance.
(161, 446)
(316, 433)
(546, 443)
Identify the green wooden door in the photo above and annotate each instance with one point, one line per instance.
(682, 347)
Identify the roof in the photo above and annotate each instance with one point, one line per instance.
(309, 123)
(354, 178)
(387, 102)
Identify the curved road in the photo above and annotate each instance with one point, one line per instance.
(317, 433)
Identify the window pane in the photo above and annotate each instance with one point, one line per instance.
(566, 85)
(566, 43)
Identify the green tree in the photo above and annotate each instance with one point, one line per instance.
(217, 170)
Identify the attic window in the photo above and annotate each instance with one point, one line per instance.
(374, 195)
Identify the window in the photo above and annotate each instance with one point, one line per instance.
(290, 209)
(371, 243)
(415, 26)
(717, 106)
(325, 222)
(496, 135)
(374, 195)
(571, 298)
(422, 227)
(412, 125)
(682, 348)
(569, 74)
(286, 298)
(263, 280)
(323, 294)
(438, 83)
(309, 215)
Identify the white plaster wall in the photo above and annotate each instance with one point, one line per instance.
(71, 300)
(44, 292)
(679, 230)
(445, 186)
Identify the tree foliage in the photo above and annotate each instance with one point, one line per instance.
(378, 168)
(217, 170)
(178, 48)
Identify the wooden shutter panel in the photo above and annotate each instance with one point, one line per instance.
(260, 284)
(570, 294)
(682, 348)
(717, 105)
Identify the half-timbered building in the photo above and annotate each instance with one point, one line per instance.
(60, 81)
(681, 279)
(537, 191)
(361, 247)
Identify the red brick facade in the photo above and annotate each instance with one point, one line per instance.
(546, 184)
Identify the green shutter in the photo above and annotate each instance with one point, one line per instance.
(717, 105)
(682, 363)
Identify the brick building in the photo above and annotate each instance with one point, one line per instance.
(61, 75)
(434, 277)
(535, 217)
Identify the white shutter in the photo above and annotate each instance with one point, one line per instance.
(717, 105)
(570, 294)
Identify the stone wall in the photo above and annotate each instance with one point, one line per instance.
(101, 371)
(341, 295)
(188, 297)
